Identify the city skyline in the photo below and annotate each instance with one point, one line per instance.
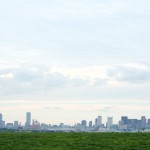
(125, 124)
(100, 119)
(71, 59)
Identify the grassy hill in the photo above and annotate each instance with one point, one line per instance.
(74, 141)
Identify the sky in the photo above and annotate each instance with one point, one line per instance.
(69, 60)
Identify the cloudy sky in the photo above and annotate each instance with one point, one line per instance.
(67, 60)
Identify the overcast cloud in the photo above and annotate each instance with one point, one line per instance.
(75, 50)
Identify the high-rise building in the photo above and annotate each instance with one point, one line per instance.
(143, 122)
(1, 117)
(109, 122)
(95, 122)
(84, 123)
(124, 119)
(16, 124)
(1, 120)
(28, 119)
(3, 124)
(138, 124)
(99, 121)
(133, 123)
(148, 121)
(90, 124)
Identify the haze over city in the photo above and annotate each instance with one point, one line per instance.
(66, 61)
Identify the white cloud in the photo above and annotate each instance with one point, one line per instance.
(79, 40)
(9, 75)
(28, 80)
(133, 73)
(37, 81)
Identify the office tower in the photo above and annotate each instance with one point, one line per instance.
(90, 124)
(133, 123)
(99, 121)
(1, 120)
(61, 124)
(109, 122)
(95, 122)
(9, 125)
(148, 121)
(1, 117)
(28, 119)
(83, 123)
(3, 124)
(143, 122)
(124, 119)
(138, 124)
(129, 121)
(16, 124)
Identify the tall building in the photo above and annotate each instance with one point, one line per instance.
(124, 119)
(90, 124)
(16, 124)
(84, 123)
(143, 122)
(28, 119)
(99, 121)
(3, 124)
(1, 117)
(109, 122)
(133, 123)
(148, 121)
(138, 124)
(95, 122)
(1, 120)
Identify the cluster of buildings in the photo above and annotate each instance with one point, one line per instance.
(125, 124)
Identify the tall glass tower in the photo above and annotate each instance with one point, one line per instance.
(1, 117)
(28, 119)
(1, 120)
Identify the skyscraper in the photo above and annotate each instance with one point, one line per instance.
(133, 124)
(99, 121)
(28, 119)
(109, 122)
(148, 121)
(16, 124)
(84, 123)
(1, 117)
(143, 122)
(95, 122)
(124, 119)
(1, 120)
(138, 124)
(90, 124)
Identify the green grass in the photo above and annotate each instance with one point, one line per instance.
(74, 141)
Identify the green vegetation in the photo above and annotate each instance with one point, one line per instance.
(74, 141)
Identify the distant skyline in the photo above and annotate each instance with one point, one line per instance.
(61, 58)
(97, 120)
